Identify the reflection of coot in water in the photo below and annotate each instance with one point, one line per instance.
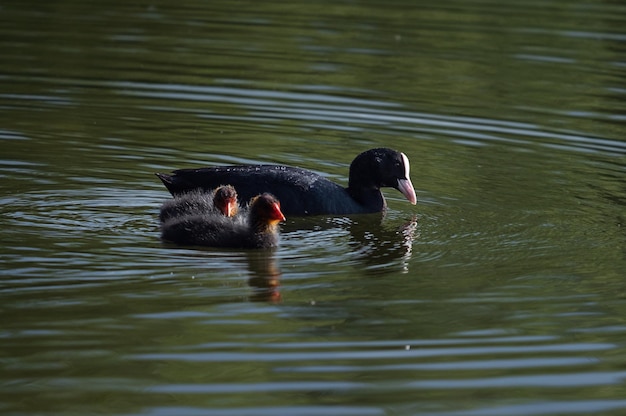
(258, 230)
(303, 192)
(376, 240)
(383, 243)
(197, 202)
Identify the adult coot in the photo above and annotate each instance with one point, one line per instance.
(303, 192)
(258, 230)
(223, 200)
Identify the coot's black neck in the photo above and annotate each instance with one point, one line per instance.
(370, 198)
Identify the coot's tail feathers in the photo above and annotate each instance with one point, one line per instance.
(166, 179)
(179, 184)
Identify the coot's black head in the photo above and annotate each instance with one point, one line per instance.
(382, 167)
(225, 200)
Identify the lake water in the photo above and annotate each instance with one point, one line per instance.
(502, 292)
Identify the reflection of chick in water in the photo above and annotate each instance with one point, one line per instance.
(264, 276)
